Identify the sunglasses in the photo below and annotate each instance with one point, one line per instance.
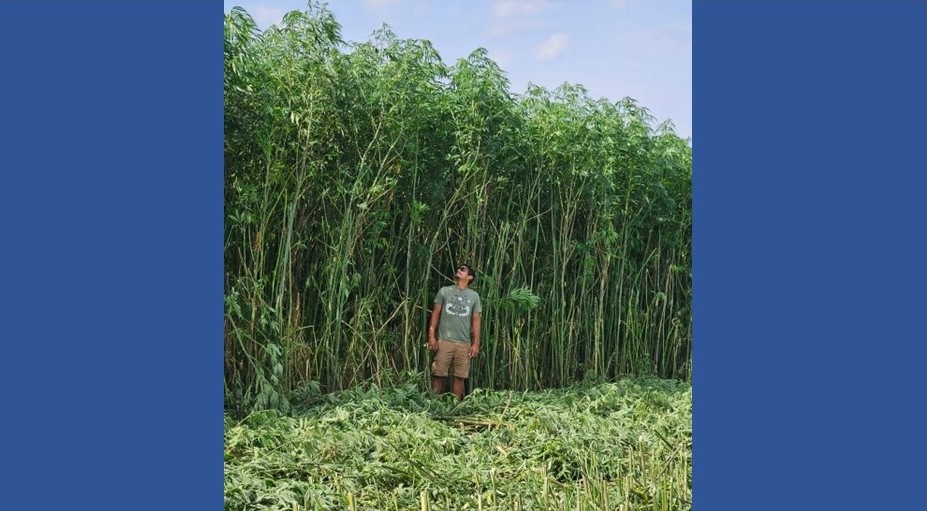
(463, 268)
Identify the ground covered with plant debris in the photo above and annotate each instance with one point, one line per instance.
(625, 445)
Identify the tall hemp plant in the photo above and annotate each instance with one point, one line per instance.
(359, 174)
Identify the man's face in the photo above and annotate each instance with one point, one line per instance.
(462, 272)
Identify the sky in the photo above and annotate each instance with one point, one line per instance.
(615, 48)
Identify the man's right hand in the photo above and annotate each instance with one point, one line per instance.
(432, 344)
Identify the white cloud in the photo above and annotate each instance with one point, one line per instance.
(506, 8)
(502, 56)
(265, 15)
(511, 16)
(552, 47)
(669, 40)
(502, 28)
(380, 4)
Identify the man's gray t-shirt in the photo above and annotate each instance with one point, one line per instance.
(457, 308)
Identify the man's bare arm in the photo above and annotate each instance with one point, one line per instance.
(433, 327)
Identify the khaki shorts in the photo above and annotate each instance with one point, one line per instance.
(449, 352)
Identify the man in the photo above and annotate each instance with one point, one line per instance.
(454, 331)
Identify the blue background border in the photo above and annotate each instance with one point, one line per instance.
(809, 164)
(111, 209)
(809, 255)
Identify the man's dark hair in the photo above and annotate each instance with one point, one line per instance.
(469, 269)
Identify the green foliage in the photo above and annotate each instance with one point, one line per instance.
(624, 446)
(521, 298)
(358, 174)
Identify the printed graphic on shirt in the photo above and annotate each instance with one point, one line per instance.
(457, 306)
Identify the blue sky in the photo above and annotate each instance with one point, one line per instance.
(615, 48)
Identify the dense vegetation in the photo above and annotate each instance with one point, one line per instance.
(610, 446)
(358, 174)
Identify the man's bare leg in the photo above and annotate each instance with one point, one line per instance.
(459, 387)
(437, 385)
